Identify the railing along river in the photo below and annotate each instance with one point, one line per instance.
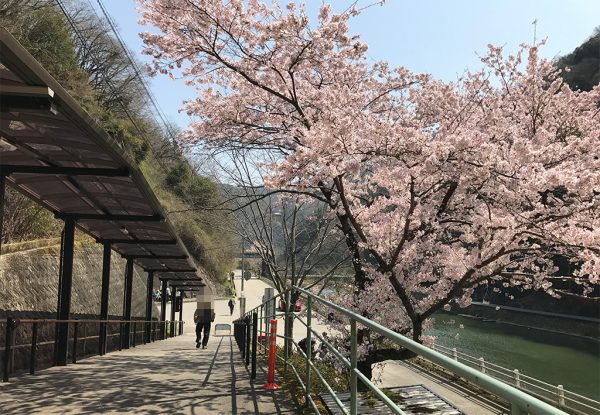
(252, 329)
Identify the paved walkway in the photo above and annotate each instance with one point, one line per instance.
(173, 377)
(165, 377)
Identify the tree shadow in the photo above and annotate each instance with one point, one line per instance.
(170, 376)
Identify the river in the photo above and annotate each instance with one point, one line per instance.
(570, 361)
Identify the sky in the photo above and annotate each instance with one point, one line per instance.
(440, 37)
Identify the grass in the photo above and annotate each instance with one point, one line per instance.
(294, 390)
(49, 245)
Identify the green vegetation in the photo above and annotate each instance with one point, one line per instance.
(583, 64)
(94, 69)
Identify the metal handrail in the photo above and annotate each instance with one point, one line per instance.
(521, 402)
(550, 392)
(52, 320)
(148, 335)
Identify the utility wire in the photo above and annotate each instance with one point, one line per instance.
(100, 67)
(131, 60)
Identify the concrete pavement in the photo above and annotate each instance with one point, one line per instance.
(164, 377)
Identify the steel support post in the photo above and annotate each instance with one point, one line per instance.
(104, 298)
(173, 300)
(247, 339)
(163, 309)
(60, 268)
(9, 336)
(64, 295)
(75, 337)
(34, 341)
(180, 313)
(260, 331)
(126, 338)
(149, 300)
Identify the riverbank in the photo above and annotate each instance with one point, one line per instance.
(525, 318)
(555, 358)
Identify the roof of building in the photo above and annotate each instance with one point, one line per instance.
(53, 152)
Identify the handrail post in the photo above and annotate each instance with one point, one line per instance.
(254, 345)
(260, 331)
(516, 410)
(308, 345)
(353, 377)
(482, 365)
(120, 336)
(243, 339)
(134, 333)
(84, 337)
(560, 391)
(517, 378)
(149, 304)
(8, 340)
(75, 333)
(248, 340)
(34, 335)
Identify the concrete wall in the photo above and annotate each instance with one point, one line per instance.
(29, 282)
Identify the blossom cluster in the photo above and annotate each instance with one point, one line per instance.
(442, 185)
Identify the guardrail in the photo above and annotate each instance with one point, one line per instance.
(250, 331)
(555, 394)
(79, 336)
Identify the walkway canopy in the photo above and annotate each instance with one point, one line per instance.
(53, 152)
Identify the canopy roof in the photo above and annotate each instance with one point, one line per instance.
(53, 152)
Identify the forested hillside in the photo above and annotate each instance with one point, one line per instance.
(77, 47)
(583, 64)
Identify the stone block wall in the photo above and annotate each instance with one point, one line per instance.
(29, 282)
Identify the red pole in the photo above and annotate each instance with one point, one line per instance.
(271, 385)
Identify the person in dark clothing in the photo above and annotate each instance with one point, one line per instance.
(231, 305)
(203, 318)
(302, 345)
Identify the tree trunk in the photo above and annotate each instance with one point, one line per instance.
(417, 330)
(289, 331)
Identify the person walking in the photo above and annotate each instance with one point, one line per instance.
(231, 305)
(203, 318)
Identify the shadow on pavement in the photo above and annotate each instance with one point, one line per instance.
(171, 376)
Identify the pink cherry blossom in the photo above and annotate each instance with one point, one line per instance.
(438, 186)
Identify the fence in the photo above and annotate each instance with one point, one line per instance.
(251, 330)
(554, 394)
(23, 339)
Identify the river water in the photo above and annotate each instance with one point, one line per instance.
(557, 359)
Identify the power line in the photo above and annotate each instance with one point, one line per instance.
(83, 42)
(131, 60)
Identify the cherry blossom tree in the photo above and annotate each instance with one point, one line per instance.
(437, 186)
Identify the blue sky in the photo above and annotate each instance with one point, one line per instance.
(440, 37)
